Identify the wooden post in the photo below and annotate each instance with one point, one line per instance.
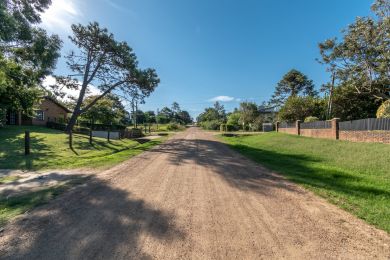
(335, 128)
(108, 135)
(277, 126)
(298, 127)
(70, 139)
(90, 134)
(27, 143)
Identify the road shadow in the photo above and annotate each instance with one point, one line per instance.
(245, 174)
(94, 221)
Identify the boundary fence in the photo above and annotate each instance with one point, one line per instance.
(362, 130)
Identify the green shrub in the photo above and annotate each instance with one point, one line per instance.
(231, 128)
(174, 127)
(311, 119)
(384, 110)
(210, 125)
(223, 128)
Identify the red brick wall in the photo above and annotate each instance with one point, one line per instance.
(318, 133)
(366, 136)
(288, 130)
(51, 111)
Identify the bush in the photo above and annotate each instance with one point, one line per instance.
(223, 128)
(311, 119)
(210, 125)
(231, 128)
(174, 127)
(384, 110)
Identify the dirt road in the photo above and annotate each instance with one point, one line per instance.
(190, 198)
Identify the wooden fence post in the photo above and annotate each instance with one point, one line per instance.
(27, 143)
(335, 128)
(70, 139)
(298, 127)
(277, 126)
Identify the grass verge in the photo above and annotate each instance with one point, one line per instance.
(354, 176)
(14, 206)
(49, 150)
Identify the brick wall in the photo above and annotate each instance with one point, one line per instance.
(365, 136)
(318, 133)
(52, 112)
(288, 130)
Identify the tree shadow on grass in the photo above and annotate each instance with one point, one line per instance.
(96, 221)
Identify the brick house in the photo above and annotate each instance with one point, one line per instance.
(49, 110)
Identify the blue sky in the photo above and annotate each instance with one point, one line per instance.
(205, 49)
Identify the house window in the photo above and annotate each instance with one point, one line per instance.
(40, 115)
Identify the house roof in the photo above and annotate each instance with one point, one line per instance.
(58, 103)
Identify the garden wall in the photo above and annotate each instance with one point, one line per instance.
(318, 133)
(292, 131)
(363, 130)
(366, 136)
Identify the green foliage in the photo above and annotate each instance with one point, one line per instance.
(210, 125)
(174, 127)
(354, 176)
(18, 87)
(298, 108)
(107, 110)
(233, 119)
(384, 110)
(292, 84)
(248, 114)
(311, 119)
(223, 128)
(27, 53)
(109, 64)
(361, 58)
(349, 105)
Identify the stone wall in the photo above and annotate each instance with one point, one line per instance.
(366, 136)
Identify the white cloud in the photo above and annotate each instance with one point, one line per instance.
(60, 15)
(222, 99)
(69, 93)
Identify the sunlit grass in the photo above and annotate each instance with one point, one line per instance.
(355, 176)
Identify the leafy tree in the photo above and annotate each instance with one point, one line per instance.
(150, 117)
(107, 64)
(220, 109)
(350, 105)
(293, 83)
(107, 110)
(361, 59)
(27, 53)
(233, 119)
(298, 108)
(185, 117)
(248, 114)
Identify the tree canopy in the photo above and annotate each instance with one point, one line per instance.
(293, 83)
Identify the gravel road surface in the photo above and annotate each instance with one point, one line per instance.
(190, 198)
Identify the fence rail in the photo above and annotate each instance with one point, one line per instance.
(287, 125)
(317, 125)
(369, 124)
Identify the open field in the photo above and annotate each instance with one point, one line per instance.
(49, 150)
(354, 176)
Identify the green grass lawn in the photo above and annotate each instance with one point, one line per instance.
(354, 176)
(50, 150)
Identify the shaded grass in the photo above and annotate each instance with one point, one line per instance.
(354, 176)
(7, 179)
(14, 206)
(49, 150)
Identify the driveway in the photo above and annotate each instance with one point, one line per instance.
(190, 198)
